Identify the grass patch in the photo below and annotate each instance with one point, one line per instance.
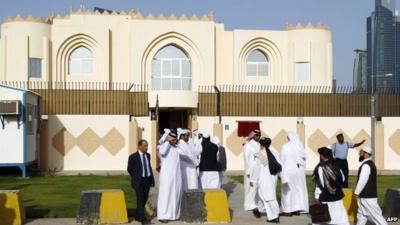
(384, 182)
(58, 197)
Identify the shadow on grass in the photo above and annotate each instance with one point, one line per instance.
(36, 212)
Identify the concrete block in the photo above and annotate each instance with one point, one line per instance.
(391, 205)
(89, 208)
(113, 207)
(350, 204)
(217, 206)
(102, 207)
(193, 207)
(11, 208)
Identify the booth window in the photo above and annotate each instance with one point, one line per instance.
(245, 127)
(35, 67)
(30, 112)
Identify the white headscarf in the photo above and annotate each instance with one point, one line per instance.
(182, 131)
(298, 146)
(164, 136)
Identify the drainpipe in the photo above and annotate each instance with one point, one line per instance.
(218, 104)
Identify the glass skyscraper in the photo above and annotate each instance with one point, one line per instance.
(383, 47)
(360, 78)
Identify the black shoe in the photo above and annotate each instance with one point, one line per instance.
(256, 213)
(163, 221)
(286, 214)
(273, 221)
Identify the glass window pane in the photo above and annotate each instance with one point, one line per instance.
(156, 68)
(302, 71)
(175, 68)
(251, 69)
(262, 69)
(170, 51)
(176, 84)
(34, 67)
(186, 84)
(257, 56)
(81, 61)
(156, 83)
(166, 68)
(166, 84)
(186, 68)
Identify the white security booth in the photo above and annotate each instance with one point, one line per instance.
(19, 125)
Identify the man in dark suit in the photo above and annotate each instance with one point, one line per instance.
(141, 178)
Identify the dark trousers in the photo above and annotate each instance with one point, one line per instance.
(142, 194)
(344, 167)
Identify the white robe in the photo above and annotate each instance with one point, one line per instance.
(336, 209)
(266, 183)
(251, 198)
(294, 196)
(170, 187)
(188, 166)
(210, 179)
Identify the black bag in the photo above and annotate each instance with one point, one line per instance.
(320, 213)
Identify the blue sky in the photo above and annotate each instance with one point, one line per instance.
(347, 18)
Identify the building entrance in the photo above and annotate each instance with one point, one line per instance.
(172, 119)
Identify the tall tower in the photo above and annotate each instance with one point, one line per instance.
(383, 47)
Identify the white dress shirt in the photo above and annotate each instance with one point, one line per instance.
(144, 156)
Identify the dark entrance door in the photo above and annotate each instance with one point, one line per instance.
(172, 119)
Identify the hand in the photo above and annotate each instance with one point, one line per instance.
(285, 185)
(355, 197)
(248, 176)
(316, 201)
(251, 184)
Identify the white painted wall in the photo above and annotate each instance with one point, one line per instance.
(391, 158)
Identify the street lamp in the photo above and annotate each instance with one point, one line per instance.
(373, 122)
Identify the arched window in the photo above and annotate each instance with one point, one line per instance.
(257, 64)
(81, 62)
(171, 70)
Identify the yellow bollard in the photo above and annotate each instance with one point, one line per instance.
(11, 208)
(113, 207)
(349, 204)
(217, 207)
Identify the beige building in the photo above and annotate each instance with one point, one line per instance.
(175, 57)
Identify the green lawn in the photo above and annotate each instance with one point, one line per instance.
(384, 182)
(58, 196)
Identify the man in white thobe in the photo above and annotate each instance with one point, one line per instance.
(251, 147)
(170, 187)
(366, 191)
(264, 175)
(294, 187)
(189, 162)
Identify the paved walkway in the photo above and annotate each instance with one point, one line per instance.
(235, 195)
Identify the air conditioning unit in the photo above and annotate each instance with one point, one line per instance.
(10, 108)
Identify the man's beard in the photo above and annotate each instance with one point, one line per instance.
(361, 158)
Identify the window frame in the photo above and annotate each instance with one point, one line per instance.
(309, 71)
(81, 61)
(30, 67)
(257, 64)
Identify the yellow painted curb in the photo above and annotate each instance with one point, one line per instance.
(349, 204)
(113, 207)
(11, 208)
(217, 207)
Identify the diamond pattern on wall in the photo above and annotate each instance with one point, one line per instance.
(88, 142)
(394, 142)
(279, 140)
(113, 141)
(63, 141)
